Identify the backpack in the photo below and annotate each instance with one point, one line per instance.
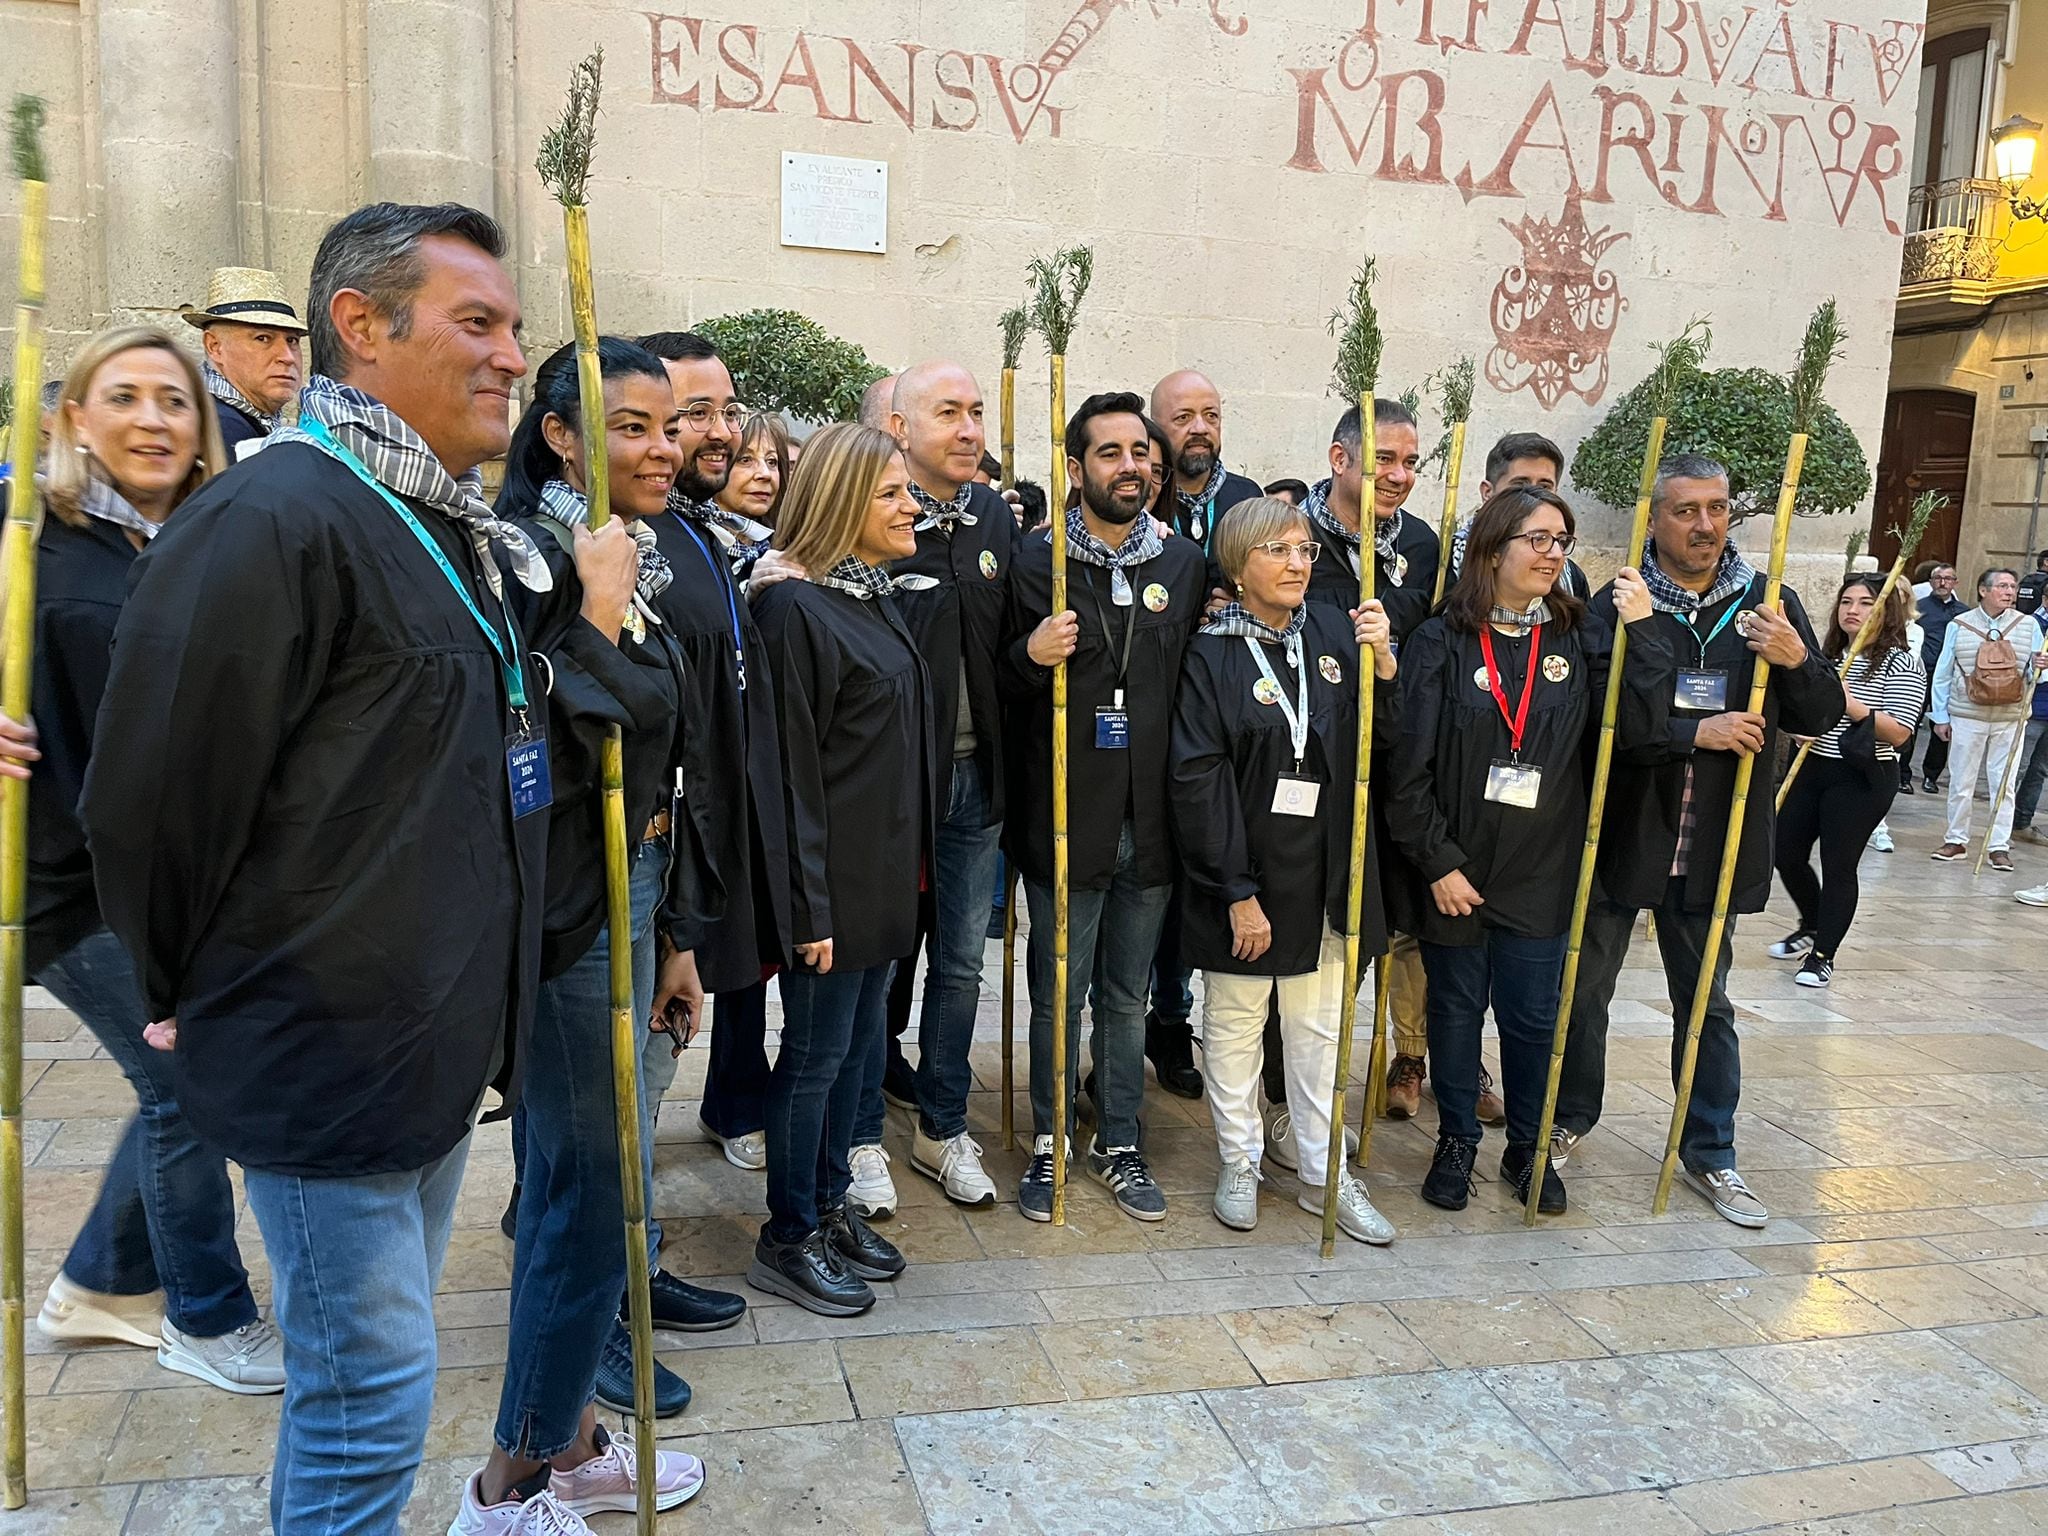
(1995, 676)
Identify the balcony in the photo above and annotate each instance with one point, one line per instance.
(1950, 260)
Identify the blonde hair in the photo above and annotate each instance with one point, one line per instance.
(66, 470)
(827, 499)
(1255, 520)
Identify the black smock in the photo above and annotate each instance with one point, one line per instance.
(1640, 833)
(1105, 786)
(594, 684)
(963, 617)
(237, 426)
(1523, 862)
(1229, 752)
(854, 698)
(732, 783)
(1405, 586)
(81, 583)
(306, 837)
(1201, 527)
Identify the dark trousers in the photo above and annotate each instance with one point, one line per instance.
(832, 1042)
(1835, 804)
(1519, 978)
(1173, 999)
(1708, 1140)
(2033, 774)
(1935, 763)
(736, 1077)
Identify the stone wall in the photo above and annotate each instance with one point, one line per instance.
(1229, 160)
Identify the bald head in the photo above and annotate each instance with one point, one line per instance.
(875, 402)
(1187, 405)
(937, 418)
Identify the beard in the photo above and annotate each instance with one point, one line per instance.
(695, 485)
(1196, 461)
(1119, 502)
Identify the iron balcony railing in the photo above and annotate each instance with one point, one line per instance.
(1952, 231)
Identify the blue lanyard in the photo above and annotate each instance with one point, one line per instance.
(1722, 623)
(515, 685)
(732, 604)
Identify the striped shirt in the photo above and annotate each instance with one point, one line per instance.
(1896, 684)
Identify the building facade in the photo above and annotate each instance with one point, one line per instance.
(1550, 186)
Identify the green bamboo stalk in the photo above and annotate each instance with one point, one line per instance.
(564, 166)
(24, 524)
(1359, 346)
(1015, 325)
(1453, 385)
(1818, 350)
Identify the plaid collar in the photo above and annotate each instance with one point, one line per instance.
(1236, 619)
(218, 386)
(1385, 535)
(1196, 507)
(1733, 575)
(569, 506)
(943, 514)
(1140, 544)
(855, 577)
(102, 501)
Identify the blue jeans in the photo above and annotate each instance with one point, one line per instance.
(1520, 978)
(1707, 1143)
(833, 1036)
(736, 1080)
(165, 1215)
(964, 855)
(568, 1268)
(354, 1264)
(1111, 936)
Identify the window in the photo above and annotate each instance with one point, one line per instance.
(1948, 127)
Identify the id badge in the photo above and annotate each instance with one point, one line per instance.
(526, 766)
(1112, 728)
(1296, 797)
(1514, 784)
(1701, 690)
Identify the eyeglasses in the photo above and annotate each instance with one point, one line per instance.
(1543, 541)
(700, 415)
(1281, 550)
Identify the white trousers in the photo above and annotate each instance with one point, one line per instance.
(1976, 746)
(1233, 1053)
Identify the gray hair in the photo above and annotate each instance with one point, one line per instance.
(1350, 429)
(375, 252)
(1684, 466)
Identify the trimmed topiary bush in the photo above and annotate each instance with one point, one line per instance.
(785, 361)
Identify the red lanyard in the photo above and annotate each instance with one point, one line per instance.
(1519, 720)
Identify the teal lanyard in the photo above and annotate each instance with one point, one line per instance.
(1720, 624)
(515, 685)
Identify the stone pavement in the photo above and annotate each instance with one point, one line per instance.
(1875, 1363)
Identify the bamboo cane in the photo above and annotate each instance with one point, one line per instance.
(564, 165)
(1818, 349)
(1059, 285)
(1376, 1059)
(1924, 508)
(1015, 325)
(1010, 895)
(24, 523)
(2018, 748)
(1453, 385)
(1356, 325)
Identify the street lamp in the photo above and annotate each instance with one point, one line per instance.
(2012, 155)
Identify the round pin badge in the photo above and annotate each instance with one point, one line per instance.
(1266, 691)
(1742, 619)
(1156, 597)
(1327, 665)
(1400, 570)
(1556, 668)
(988, 564)
(1479, 676)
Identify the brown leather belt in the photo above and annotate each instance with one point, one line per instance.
(657, 827)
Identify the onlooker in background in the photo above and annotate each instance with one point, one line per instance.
(2033, 584)
(1031, 515)
(1923, 578)
(877, 401)
(760, 468)
(1936, 607)
(255, 360)
(2033, 773)
(1979, 706)
(1293, 492)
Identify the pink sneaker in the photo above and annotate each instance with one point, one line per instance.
(609, 1481)
(541, 1515)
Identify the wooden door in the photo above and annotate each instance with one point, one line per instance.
(1926, 448)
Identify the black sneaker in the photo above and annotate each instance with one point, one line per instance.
(1514, 1168)
(509, 1222)
(1817, 971)
(685, 1308)
(1792, 946)
(899, 1083)
(1122, 1171)
(1170, 1047)
(1927, 784)
(810, 1274)
(615, 1379)
(1906, 786)
(1034, 1190)
(859, 1246)
(1448, 1185)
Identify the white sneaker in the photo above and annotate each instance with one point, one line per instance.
(872, 1192)
(1731, 1198)
(1237, 1195)
(956, 1164)
(748, 1152)
(249, 1361)
(1356, 1215)
(1280, 1138)
(73, 1313)
(1881, 839)
(608, 1483)
(541, 1515)
(2032, 896)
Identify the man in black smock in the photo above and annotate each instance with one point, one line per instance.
(322, 840)
(1667, 813)
(1133, 600)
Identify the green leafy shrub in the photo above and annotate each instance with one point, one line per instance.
(784, 361)
(1740, 416)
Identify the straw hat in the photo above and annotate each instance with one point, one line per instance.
(247, 296)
